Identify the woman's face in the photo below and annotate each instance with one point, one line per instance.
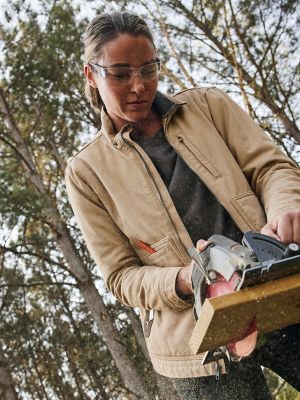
(131, 102)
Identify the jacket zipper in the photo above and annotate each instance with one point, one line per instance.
(217, 370)
(181, 140)
(204, 162)
(216, 174)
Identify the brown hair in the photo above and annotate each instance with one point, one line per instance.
(102, 29)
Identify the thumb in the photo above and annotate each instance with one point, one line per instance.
(269, 231)
(202, 245)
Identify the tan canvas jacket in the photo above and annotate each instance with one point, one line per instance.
(118, 198)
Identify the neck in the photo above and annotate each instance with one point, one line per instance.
(149, 126)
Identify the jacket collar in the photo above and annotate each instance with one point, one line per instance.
(166, 106)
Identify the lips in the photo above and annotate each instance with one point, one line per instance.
(138, 105)
(138, 102)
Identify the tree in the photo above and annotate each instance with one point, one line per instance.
(247, 47)
(43, 110)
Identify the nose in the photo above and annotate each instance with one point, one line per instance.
(137, 84)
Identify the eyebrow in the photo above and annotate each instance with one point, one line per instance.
(128, 65)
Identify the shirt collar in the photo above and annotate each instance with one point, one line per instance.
(165, 104)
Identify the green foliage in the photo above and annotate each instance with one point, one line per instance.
(46, 337)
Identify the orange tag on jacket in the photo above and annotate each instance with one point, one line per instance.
(144, 246)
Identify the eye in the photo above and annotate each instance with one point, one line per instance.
(122, 75)
(149, 69)
(119, 74)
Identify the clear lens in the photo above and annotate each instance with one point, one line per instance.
(120, 75)
(124, 75)
(149, 72)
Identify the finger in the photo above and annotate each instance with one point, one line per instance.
(296, 230)
(202, 244)
(269, 231)
(285, 229)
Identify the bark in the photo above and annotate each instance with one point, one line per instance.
(7, 389)
(138, 331)
(60, 161)
(98, 384)
(104, 321)
(94, 302)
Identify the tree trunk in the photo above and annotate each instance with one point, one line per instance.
(118, 351)
(7, 390)
(97, 383)
(94, 302)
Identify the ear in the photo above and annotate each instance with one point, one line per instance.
(90, 77)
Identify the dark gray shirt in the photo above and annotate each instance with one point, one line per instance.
(200, 211)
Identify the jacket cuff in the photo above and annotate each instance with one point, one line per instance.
(168, 290)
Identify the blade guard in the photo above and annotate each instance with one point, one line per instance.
(221, 259)
(245, 346)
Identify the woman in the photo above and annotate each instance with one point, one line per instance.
(162, 173)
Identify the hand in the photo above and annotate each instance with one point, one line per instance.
(285, 227)
(184, 276)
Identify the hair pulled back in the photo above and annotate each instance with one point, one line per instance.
(102, 29)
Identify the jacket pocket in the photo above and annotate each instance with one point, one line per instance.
(249, 208)
(195, 151)
(166, 254)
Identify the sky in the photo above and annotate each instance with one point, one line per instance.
(86, 7)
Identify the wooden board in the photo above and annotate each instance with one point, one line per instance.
(224, 319)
